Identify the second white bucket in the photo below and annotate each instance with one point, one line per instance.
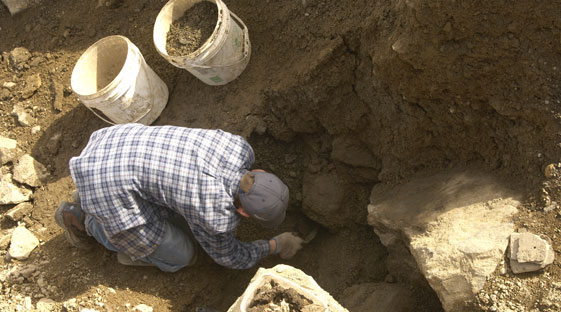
(112, 77)
(223, 56)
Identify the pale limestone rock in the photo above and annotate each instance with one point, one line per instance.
(455, 224)
(16, 6)
(378, 297)
(22, 244)
(22, 116)
(529, 252)
(288, 275)
(29, 171)
(8, 149)
(18, 212)
(46, 305)
(11, 194)
(142, 308)
(9, 85)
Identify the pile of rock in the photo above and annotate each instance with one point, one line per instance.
(20, 176)
(27, 84)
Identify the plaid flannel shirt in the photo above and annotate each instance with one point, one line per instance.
(130, 176)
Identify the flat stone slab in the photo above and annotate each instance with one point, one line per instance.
(529, 252)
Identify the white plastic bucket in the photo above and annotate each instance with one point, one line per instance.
(250, 292)
(112, 77)
(223, 56)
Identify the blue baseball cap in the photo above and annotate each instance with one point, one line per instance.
(267, 199)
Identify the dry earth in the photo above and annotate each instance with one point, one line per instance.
(364, 91)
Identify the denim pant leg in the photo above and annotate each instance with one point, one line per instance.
(96, 230)
(175, 252)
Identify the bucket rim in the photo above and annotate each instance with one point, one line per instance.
(118, 77)
(223, 15)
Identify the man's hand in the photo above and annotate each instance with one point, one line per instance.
(287, 245)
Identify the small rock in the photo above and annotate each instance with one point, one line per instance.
(58, 95)
(27, 304)
(22, 244)
(8, 85)
(7, 150)
(27, 271)
(32, 84)
(143, 308)
(35, 129)
(5, 95)
(448, 27)
(529, 252)
(5, 239)
(18, 212)
(11, 194)
(29, 171)
(70, 304)
(36, 61)
(550, 171)
(46, 305)
(19, 56)
(22, 116)
(16, 6)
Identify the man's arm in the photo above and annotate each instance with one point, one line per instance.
(227, 251)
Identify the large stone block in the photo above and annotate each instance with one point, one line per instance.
(455, 224)
(378, 297)
(324, 199)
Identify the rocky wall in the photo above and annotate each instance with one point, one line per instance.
(429, 84)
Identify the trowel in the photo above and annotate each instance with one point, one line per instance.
(306, 229)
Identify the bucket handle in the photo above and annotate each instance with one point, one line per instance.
(111, 122)
(246, 45)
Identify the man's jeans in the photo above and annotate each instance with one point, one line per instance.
(175, 252)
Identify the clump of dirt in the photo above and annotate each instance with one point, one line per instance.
(190, 32)
(274, 297)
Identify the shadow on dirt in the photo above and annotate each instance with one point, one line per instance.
(329, 258)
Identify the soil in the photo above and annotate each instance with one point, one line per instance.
(410, 86)
(274, 297)
(189, 32)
